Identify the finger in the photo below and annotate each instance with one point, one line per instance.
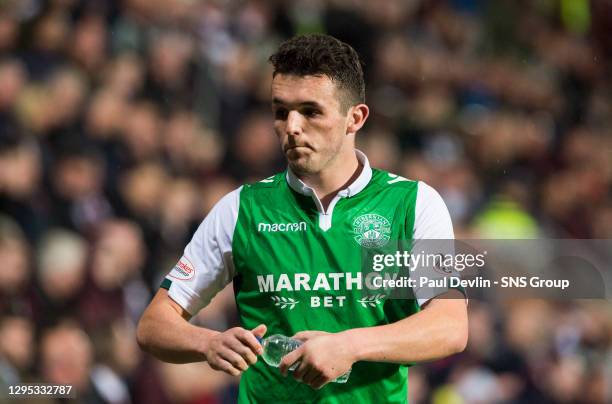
(224, 366)
(310, 375)
(290, 359)
(243, 350)
(248, 338)
(301, 369)
(319, 382)
(260, 330)
(234, 358)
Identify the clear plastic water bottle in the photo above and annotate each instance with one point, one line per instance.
(276, 346)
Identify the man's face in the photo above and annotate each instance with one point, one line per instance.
(308, 120)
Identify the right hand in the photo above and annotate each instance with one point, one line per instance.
(234, 350)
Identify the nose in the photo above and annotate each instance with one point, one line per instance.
(293, 124)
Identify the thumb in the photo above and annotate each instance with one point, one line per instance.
(289, 360)
(260, 330)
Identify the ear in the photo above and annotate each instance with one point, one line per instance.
(357, 116)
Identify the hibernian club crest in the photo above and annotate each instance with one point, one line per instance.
(371, 230)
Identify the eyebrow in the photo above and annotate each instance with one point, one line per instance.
(315, 104)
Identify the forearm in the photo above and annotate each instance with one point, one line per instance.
(165, 334)
(438, 331)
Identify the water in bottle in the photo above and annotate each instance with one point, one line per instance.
(276, 346)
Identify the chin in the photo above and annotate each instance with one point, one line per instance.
(302, 166)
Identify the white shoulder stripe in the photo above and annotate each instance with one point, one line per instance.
(396, 178)
(431, 217)
(208, 256)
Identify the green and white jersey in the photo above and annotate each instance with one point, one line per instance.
(296, 266)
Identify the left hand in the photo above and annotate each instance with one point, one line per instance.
(323, 357)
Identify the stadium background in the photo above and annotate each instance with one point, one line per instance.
(123, 122)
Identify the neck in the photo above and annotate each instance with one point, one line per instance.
(337, 176)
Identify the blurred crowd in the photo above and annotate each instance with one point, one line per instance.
(123, 122)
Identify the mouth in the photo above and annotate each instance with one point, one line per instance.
(296, 147)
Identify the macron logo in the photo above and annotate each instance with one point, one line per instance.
(275, 227)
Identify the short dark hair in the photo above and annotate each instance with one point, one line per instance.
(317, 54)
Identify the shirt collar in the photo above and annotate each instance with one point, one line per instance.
(353, 189)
